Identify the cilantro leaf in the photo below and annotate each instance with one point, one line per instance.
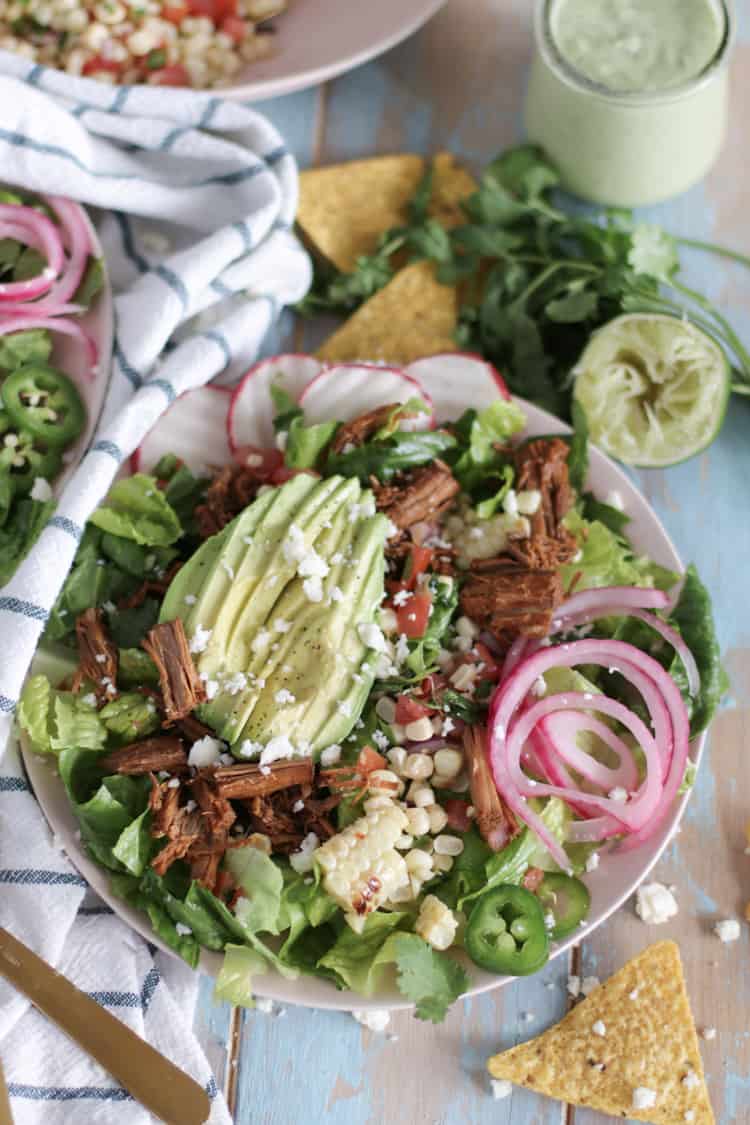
(432, 981)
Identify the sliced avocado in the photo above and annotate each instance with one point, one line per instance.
(188, 582)
(270, 513)
(316, 660)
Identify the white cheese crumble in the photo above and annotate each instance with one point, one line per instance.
(500, 1088)
(655, 904)
(401, 597)
(375, 1019)
(205, 752)
(311, 565)
(618, 794)
(592, 862)
(281, 626)
(331, 755)
(302, 861)
(182, 929)
(279, 747)
(599, 1028)
(199, 640)
(190, 599)
(236, 683)
(173, 783)
(283, 696)
(574, 986)
(312, 588)
(337, 594)
(691, 1080)
(249, 749)
(709, 1033)
(727, 930)
(260, 640)
(643, 1098)
(372, 636)
(41, 490)
(89, 700)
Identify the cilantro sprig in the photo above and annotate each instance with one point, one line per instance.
(537, 280)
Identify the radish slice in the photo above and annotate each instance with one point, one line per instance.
(457, 380)
(251, 411)
(194, 429)
(348, 390)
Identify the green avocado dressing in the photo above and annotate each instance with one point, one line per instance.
(635, 46)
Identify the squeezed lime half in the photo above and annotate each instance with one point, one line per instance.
(654, 389)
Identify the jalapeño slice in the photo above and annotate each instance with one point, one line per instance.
(566, 899)
(45, 403)
(505, 932)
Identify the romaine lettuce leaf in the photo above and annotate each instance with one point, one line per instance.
(262, 883)
(32, 346)
(476, 461)
(34, 711)
(693, 616)
(605, 559)
(56, 720)
(137, 509)
(235, 980)
(354, 957)
(305, 444)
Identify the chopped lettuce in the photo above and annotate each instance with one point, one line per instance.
(32, 346)
(261, 882)
(137, 509)
(235, 980)
(478, 461)
(21, 526)
(55, 720)
(129, 717)
(356, 959)
(606, 559)
(306, 444)
(693, 616)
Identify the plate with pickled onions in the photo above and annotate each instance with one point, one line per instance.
(392, 689)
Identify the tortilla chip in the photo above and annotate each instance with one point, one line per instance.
(343, 209)
(412, 316)
(650, 1042)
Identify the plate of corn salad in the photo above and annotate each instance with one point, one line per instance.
(369, 686)
(252, 49)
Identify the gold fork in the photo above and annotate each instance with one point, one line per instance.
(5, 1114)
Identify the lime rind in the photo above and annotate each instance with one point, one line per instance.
(654, 389)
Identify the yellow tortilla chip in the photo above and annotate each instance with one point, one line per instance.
(343, 209)
(412, 316)
(647, 1041)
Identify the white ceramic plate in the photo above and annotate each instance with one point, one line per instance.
(317, 39)
(617, 876)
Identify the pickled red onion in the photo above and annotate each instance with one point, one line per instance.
(39, 232)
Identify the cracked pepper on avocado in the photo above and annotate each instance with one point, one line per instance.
(372, 696)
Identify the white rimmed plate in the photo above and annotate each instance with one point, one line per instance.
(618, 874)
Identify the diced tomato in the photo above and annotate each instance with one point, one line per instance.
(408, 710)
(433, 685)
(492, 669)
(457, 812)
(173, 75)
(235, 28)
(174, 12)
(413, 616)
(98, 64)
(264, 462)
(370, 760)
(416, 564)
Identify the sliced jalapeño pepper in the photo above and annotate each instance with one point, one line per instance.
(505, 932)
(22, 459)
(45, 403)
(566, 899)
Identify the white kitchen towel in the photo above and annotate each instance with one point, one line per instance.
(213, 179)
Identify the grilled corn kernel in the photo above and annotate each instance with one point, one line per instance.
(384, 781)
(361, 866)
(421, 795)
(419, 863)
(448, 763)
(448, 845)
(397, 759)
(419, 730)
(419, 821)
(438, 818)
(436, 923)
(442, 863)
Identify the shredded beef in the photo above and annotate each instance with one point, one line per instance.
(360, 429)
(97, 656)
(418, 495)
(496, 823)
(152, 755)
(510, 598)
(233, 489)
(245, 781)
(542, 465)
(181, 687)
(197, 834)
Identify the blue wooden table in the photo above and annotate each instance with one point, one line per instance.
(459, 84)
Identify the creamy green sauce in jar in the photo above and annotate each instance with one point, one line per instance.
(638, 45)
(630, 97)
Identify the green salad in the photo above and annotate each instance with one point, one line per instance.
(372, 698)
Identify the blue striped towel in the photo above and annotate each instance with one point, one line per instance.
(215, 178)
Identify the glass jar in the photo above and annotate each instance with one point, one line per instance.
(626, 149)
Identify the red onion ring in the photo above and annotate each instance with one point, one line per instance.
(38, 231)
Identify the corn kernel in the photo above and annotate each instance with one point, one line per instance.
(385, 709)
(420, 730)
(448, 763)
(438, 818)
(448, 845)
(465, 627)
(418, 767)
(260, 841)
(443, 864)
(419, 821)
(397, 758)
(384, 780)
(436, 923)
(421, 795)
(419, 863)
